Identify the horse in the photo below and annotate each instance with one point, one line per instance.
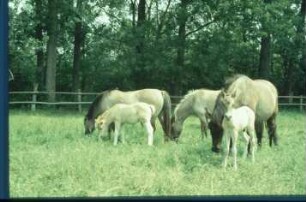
(238, 121)
(260, 95)
(158, 98)
(199, 103)
(120, 114)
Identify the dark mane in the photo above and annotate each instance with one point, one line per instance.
(219, 110)
(230, 80)
(92, 108)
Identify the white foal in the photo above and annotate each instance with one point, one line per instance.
(235, 122)
(120, 114)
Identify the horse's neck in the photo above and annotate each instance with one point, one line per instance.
(183, 111)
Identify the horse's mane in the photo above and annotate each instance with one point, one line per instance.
(230, 80)
(98, 99)
(218, 111)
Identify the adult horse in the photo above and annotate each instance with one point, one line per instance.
(260, 95)
(158, 98)
(199, 103)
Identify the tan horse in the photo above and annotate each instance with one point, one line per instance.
(158, 98)
(120, 114)
(199, 103)
(260, 95)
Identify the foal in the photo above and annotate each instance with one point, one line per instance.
(120, 114)
(240, 120)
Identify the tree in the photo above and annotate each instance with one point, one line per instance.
(77, 53)
(265, 51)
(40, 70)
(181, 45)
(51, 50)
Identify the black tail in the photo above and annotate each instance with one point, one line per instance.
(166, 115)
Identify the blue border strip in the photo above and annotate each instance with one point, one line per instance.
(4, 171)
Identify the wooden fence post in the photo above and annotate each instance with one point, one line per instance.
(79, 100)
(301, 103)
(34, 98)
(290, 98)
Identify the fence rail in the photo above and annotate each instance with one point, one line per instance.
(283, 100)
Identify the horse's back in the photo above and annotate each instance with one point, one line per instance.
(209, 97)
(149, 96)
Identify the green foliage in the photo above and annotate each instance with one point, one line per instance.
(51, 157)
(222, 38)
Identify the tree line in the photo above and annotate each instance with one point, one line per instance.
(175, 45)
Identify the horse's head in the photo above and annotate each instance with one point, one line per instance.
(89, 125)
(99, 122)
(176, 129)
(228, 99)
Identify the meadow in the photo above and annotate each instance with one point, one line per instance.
(51, 157)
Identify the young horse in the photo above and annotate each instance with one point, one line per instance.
(158, 98)
(260, 95)
(120, 114)
(199, 103)
(235, 122)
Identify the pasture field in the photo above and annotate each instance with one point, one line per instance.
(51, 157)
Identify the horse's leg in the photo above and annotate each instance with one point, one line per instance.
(149, 129)
(116, 134)
(203, 128)
(162, 123)
(253, 144)
(247, 140)
(259, 127)
(234, 148)
(111, 128)
(271, 123)
(227, 148)
(122, 136)
(153, 122)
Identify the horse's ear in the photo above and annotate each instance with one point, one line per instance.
(222, 92)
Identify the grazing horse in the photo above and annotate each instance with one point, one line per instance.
(158, 98)
(238, 121)
(199, 103)
(260, 95)
(120, 114)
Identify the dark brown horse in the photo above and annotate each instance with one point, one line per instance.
(260, 95)
(158, 98)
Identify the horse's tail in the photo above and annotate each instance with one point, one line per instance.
(166, 114)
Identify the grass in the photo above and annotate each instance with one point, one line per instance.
(51, 157)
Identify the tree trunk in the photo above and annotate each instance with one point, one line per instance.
(39, 76)
(265, 57)
(265, 51)
(51, 50)
(139, 74)
(181, 46)
(77, 53)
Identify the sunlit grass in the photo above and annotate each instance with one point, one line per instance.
(50, 156)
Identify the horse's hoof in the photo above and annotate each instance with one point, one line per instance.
(215, 149)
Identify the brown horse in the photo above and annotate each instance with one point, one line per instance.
(260, 95)
(158, 98)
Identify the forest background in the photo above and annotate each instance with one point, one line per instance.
(175, 45)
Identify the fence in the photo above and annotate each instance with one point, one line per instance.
(79, 100)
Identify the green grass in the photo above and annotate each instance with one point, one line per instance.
(51, 157)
